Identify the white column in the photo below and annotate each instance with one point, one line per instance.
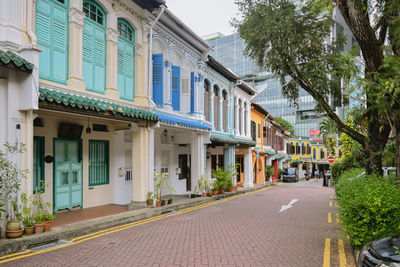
(248, 170)
(220, 113)
(197, 161)
(75, 52)
(29, 152)
(140, 166)
(211, 106)
(236, 122)
(247, 120)
(142, 90)
(112, 63)
(167, 85)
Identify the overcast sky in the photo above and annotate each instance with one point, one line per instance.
(206, 16)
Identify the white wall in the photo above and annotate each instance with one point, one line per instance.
(122, 158)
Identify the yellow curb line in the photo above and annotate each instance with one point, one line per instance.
(15, 254)
(327, 253)
(103, 232)
(337, 218)
(330, 203)
(342, 254)
(329, 217)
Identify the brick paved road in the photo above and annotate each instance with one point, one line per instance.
(246, 231)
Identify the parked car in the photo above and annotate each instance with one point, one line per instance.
(290, 175)
(382, 252)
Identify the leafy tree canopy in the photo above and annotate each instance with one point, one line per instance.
(285, 124)
(292, 39)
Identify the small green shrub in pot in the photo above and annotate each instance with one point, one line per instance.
(368, 207)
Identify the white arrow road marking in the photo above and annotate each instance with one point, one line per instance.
(285, 207)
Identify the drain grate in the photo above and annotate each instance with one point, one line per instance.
(51, 245)
(171, 212)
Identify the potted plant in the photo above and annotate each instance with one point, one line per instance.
(230, 186)
(39, 222)
(13, 227)
(269, 171)
(171, 190)
(48, 217)
(10, 180)
(27, 218)
(157, 189)
(149, 199)
(224, 177)
(202, 184)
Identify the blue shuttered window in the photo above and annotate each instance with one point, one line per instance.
(52, 35)
(176, 84)
(94, 47)
(158, 79)
(38, 164)
(192, 92)
(98, 162)
(126, 60)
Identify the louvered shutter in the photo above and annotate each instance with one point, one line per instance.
(158, 79)
(94, 56)
(192, 92)
(100, 60)
(88, 55)
(125, 69)
(52, 35)
(176, 80)
(60, 44)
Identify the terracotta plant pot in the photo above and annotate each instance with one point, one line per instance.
(158, 203)
(14, 234)
(13, 226)
(215, 192)
(164, 202)
(149, 203)
(47, 225)
(221, 191)
(170, 201)
(39, 228)
(204, 194)
(231, 188)
(30, 230)
(209, 194)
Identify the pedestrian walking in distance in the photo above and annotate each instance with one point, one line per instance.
(316, 174)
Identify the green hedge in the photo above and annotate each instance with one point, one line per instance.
(369, 207)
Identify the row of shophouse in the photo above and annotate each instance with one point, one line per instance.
(106, 93)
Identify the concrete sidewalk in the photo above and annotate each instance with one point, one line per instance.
(76, 229)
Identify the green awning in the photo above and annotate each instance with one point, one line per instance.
(270, 152)
(297, 161)
(288, 158)
(246, 141)
(222, 138)
(13, 61)
(92, 104)
(279, 156)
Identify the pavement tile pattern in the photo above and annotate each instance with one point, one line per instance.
(246, 231)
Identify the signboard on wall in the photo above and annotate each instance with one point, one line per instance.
(314, 132)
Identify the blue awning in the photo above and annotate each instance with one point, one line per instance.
(183, 122)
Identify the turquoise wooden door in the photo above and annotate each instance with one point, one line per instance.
(67, 173)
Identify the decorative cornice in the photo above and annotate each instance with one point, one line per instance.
(138, 49)
(128, 7)
(76, 16)
(112, 35)
(216, 77)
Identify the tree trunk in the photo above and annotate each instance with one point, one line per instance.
(373, 152)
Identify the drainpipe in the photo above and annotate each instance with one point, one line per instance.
(29, 21)
(150, 76)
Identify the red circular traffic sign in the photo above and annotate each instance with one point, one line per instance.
(331, 159)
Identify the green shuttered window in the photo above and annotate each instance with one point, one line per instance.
(38, 164)
(126, 60)
(99, 162)
(52, 35)
(94, 47)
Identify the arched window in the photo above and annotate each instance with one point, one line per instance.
(340, 153)
(52, 35)
(126, 60)
(224, 110)
(297, 149)
(207, 99)
(216, 109)
(308, 149)
(321, 154)
(314, 154)
(303, 149)
(176, 81)
(94, 47)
